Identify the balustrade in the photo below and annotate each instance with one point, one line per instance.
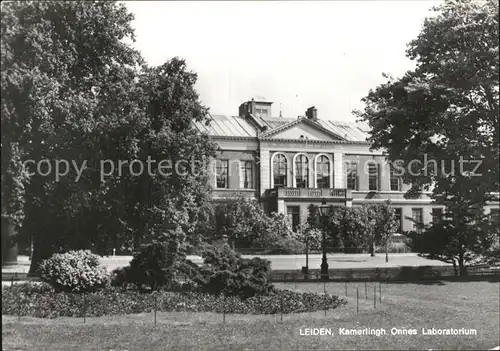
(309, 193)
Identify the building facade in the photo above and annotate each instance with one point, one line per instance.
(289, 163)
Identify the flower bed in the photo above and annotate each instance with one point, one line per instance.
(42, 301)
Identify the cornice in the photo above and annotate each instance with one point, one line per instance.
(296, 122)
(309, 141)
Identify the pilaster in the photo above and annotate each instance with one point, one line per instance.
(281, 206)
(338, 170)
(264, 165)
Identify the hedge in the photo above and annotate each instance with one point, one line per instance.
(42, 301)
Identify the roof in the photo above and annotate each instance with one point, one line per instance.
(230, 126)
(277, 121)
(234, 126)
(258, 98)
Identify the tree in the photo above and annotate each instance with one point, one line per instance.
(356, 228)
(447, 241)
(53, 55)
(439, 121)
(243, 220)
(247, 226)
(385, 226)
(72, 89)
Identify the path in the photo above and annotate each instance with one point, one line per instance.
(283, 262)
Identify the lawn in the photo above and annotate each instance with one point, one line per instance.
(470, 305)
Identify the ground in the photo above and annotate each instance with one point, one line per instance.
(470, 305)
(285, 262)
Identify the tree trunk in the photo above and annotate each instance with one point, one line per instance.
(455, 267)
(9, 245)
(461, 266)
(372, 249)
(41, 251)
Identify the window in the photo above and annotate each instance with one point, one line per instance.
(373, 177)
(418, 219)
(294, 213)
(260, 111)
(221, 172)
(399, 218)
(246, 176)
(395, 180)
(301, 171)
(352, 176)
(323, 172)
(437, 214)
(279, 171)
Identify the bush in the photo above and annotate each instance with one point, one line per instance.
(42, 301)
(153, 267)
(247, 225)
(287, 246)
(394, 247)
(74, 271)
(311, 235)
(225, 272)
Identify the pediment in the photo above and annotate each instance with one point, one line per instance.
(301, 128)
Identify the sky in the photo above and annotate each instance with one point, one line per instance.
(326, 54)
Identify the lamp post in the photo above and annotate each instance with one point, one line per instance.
(372, 237)
(305, 269)
(324, 211)
(387, 237)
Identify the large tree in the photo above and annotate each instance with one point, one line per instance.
(73, 89)
(53, 55)
(440, 120)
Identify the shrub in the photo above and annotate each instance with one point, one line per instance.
(75, 271)
(225, 272)
(152, 268)
(247, 225)
(313, 237)
(120, 277)
(44, 302)
(287, 246)
(394, 247)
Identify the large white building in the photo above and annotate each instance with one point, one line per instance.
(289, 163)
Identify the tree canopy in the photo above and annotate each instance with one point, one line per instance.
(439, 122)
(74, 89)
(447, 107)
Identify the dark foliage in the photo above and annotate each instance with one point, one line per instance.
(151, 268)
(225, 272)
(42, 301)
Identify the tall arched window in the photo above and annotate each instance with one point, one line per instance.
(302, 171)
(323, 172)
(279, 170)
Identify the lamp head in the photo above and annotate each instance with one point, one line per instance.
(323, 209)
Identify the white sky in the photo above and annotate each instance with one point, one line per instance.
(326, 53)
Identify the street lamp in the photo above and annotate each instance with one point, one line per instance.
(324, 211)
(372, 236)
(305, 269)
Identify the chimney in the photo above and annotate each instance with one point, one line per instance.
(243, 110)
(312, 113)
(251, 108)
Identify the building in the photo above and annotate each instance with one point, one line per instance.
(290, 163)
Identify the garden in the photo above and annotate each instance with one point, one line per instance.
(440, 305)
(75, 284)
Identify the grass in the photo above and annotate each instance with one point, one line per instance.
(439, 305)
